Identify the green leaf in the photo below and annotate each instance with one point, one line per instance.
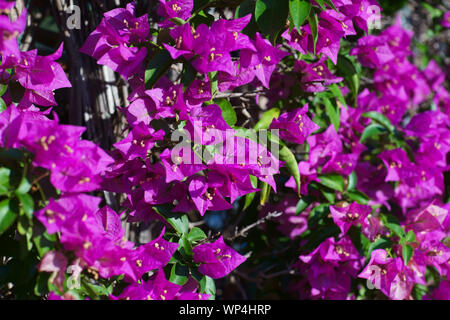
(352, 180)
(4, 180)
(321, 4)
(2, 104)
(179, 274)
(317, 213)
(228, 113)
(7, 216)
(373, 130)
(214, 81)
(23, 187)
(27, 204)
(271, 15)
(247, 7)
(333, 181)
(302, 204)
(157, 66)
(43, 243)
(331, 4)
(407, 253)
(3, 88)
(329, 194)
(434, 12)
(396, 229)
(208, 286)
(333, 113)
(314, 24)
(250, 196)
(334, 88)
(267, 118)
(41, 287)
(265, 192)
(380, 243)
(196, 234)
(346, 69)
(299, 11)
(97, 290)
(410, 237)
(358, 196)
(288, 157)
(381, 119)
(185, 246)
(177, 21)
(179, 221)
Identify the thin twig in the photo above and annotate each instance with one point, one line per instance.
(244, 231)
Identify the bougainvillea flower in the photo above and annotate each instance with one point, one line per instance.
(428, 218)
(129, 27)
(139, 141)
(324, 146)
(431, 251)
(382, 271)
(57, 213)
(446, 20)
(350, 215)
(205, 193)
(364, 13)
(237, 181)
(400, 39)
(245, 154)
(153, 255)
(178, 166)
(242, 76)
(40, 74)
(443, 291)
(8, 41)
(10, 127)
(56, 263)
(111, 223)
(190, 292)
(6, 5)
(154, 184)
(373, 51)
(85, 238)
(199, 91)
(110, 43)
(315, 77)
(211, 52)
(264, 60)
(206, 125)
(169, 9)
(156, 288)
(396, 162)
(230, 31)
(295, 126)
(216, 259)
(83, 172)
(114, 261)
(434, 75)
(307, 175)
(295, 40)
(329, 268)
(341, 163)
(184, 42)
